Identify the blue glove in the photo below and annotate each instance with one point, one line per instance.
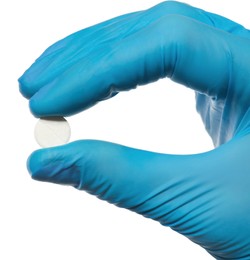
(206, 196)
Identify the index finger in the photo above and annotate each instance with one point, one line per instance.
(82, 72)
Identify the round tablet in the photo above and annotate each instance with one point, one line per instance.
(52, 131)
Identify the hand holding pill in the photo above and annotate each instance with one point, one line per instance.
(205, 196)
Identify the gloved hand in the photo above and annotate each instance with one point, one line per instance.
(206, 196)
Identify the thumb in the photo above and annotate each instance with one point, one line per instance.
(151, 184)
(204, 197)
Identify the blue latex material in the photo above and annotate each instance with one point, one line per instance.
(206, 196)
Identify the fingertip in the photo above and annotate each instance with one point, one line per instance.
(34, 164)
(50, 102)
(23, 87)
(43, 163)
(55, 165)
(34, 107)
(43, 104)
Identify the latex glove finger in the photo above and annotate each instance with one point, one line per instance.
(78, 58)
(61, 55)
(201, 196)
(164, 48)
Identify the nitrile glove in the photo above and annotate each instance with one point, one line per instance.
(206, 196)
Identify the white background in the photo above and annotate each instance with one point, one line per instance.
(46, 221)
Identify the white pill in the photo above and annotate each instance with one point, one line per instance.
(52, 131)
